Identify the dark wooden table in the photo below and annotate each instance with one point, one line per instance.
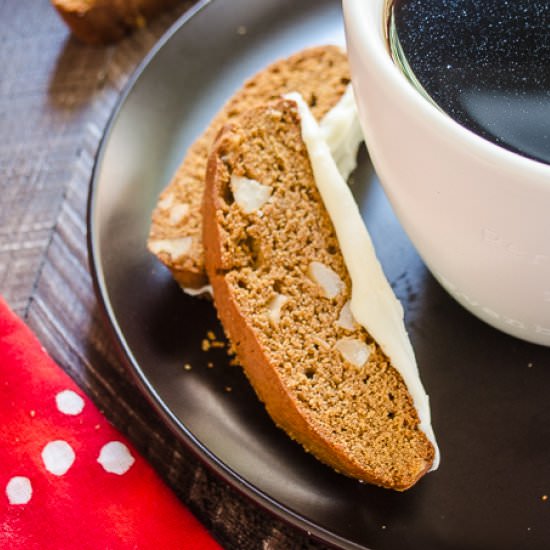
(56, 96)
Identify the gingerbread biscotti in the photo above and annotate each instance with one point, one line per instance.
(103, 21)
(282, 292)
(320, 74)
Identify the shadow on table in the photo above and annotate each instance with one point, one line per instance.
(82, 72)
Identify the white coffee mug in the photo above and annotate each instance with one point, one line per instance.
(479, 215)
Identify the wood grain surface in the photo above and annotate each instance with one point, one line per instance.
(56, 96)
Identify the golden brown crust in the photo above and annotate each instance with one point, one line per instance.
(102, 21)
(320, 73)
(278, 374)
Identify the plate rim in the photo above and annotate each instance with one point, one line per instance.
(177, 427)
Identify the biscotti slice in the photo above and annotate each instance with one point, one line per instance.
(103, 21)
(320, 74)
(282, 292)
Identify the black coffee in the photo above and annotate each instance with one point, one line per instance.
(484, 62)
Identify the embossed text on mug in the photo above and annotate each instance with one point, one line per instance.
(542, 331)
(511, 249)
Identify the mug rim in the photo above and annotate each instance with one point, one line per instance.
(372, 13)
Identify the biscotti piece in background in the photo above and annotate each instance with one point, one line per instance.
(320, 74)
(282, 292)
(103, 21)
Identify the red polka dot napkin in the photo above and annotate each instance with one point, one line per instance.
(67, 478)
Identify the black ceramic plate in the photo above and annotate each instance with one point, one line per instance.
(489, 392)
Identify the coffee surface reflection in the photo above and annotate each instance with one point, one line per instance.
(485, 63)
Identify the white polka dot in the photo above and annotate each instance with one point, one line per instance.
(69, 402)
(58, 457)
(115, 458)
(19, 490)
